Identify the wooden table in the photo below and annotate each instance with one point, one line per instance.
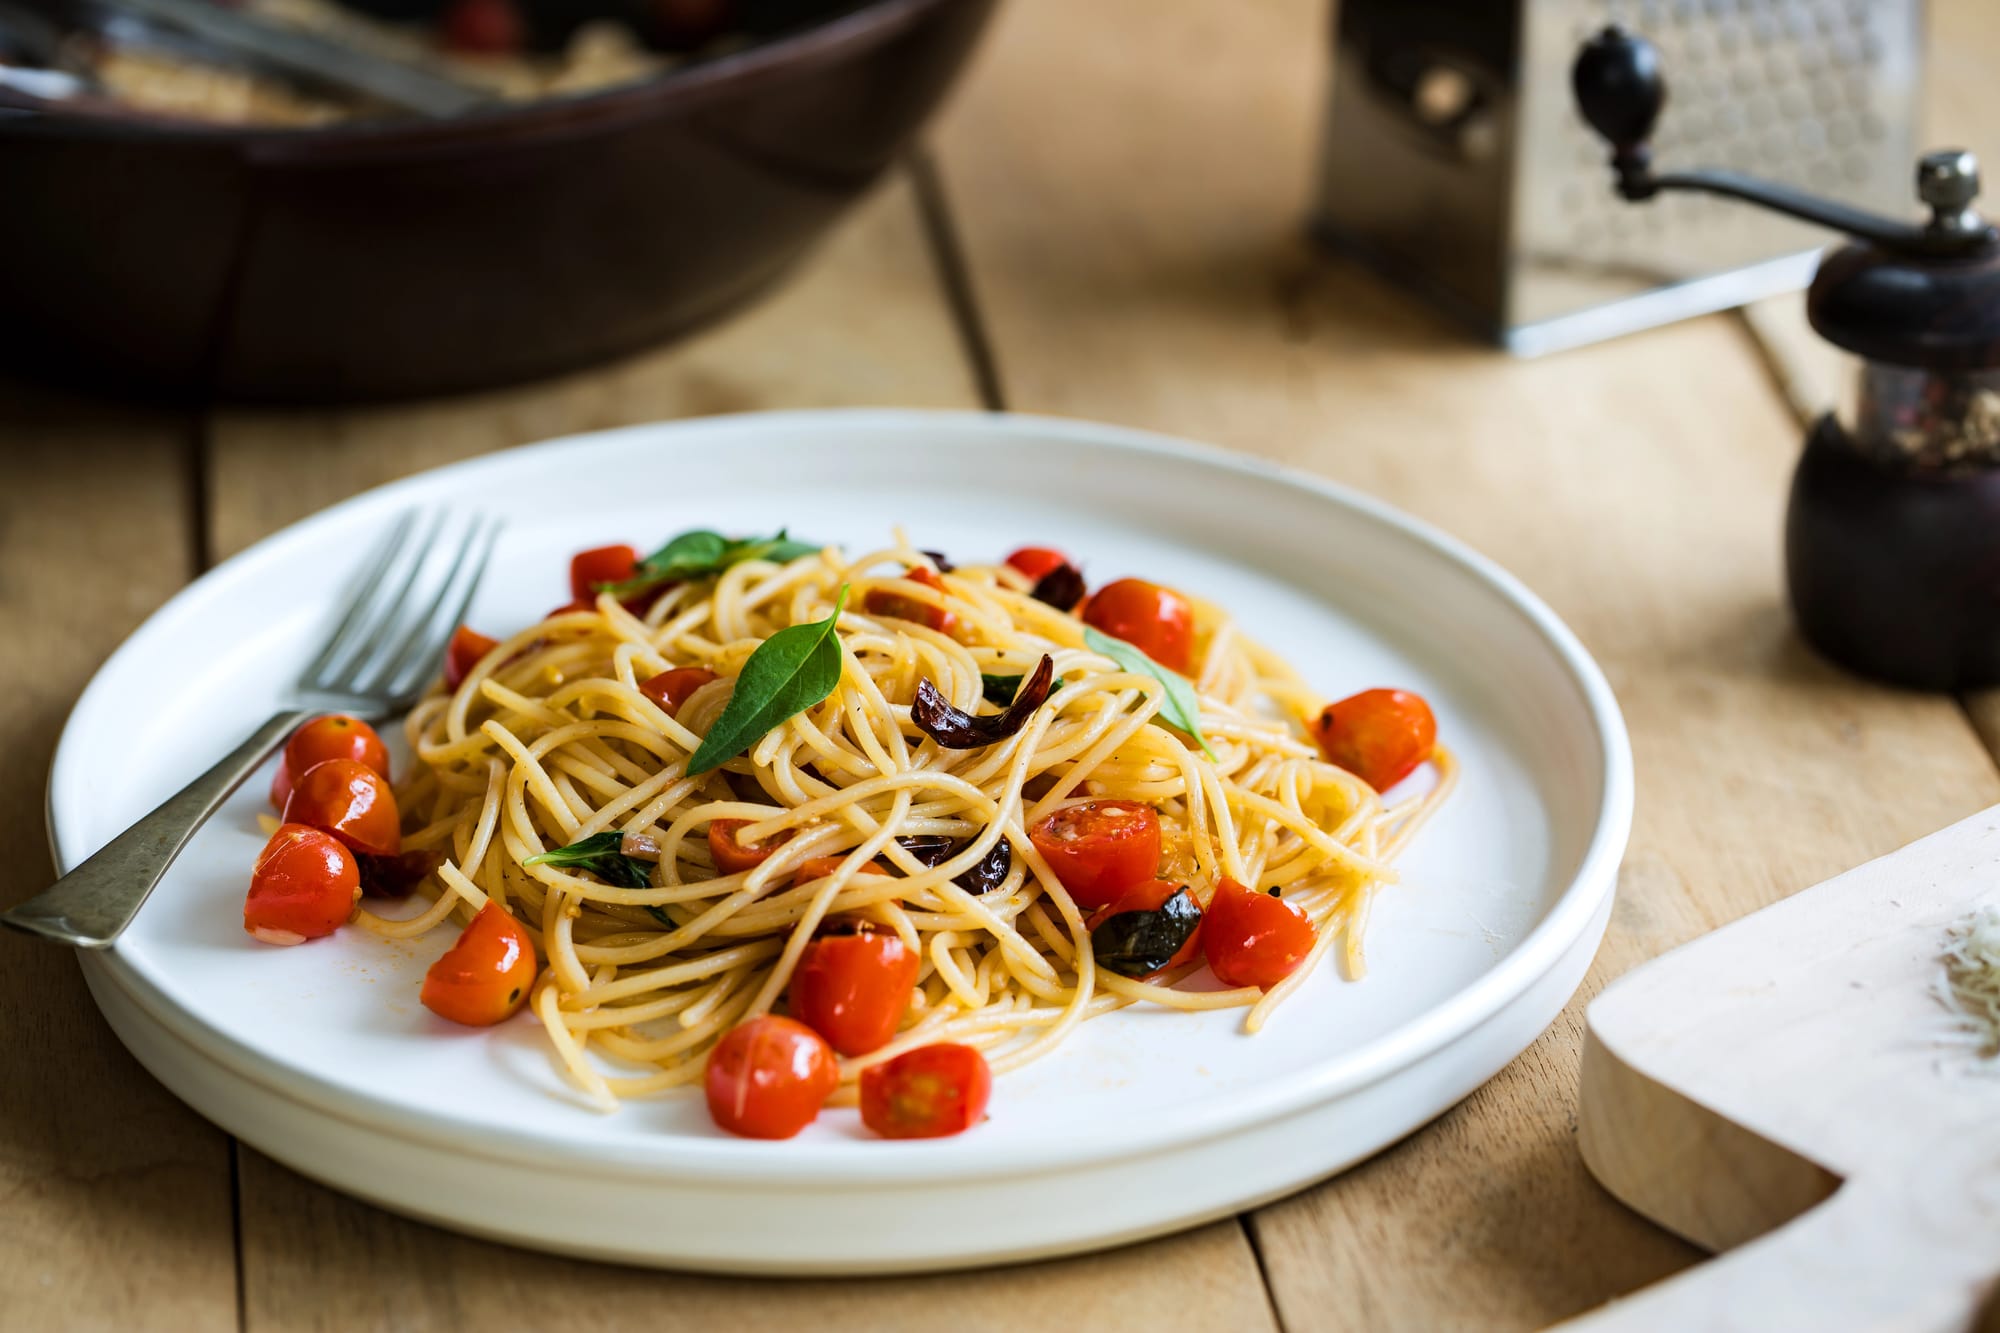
(1106, 226)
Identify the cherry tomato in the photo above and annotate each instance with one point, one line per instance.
(671, 688)
(352, 802)
(853, 989)
(1100, 848)
(768, 1077)
(819, 867)
(1035, 562)
(484, 27)
(305, 886)
(1380, 736)
(926, 1093)
(468, 646)
(1254, 939)
(281, 786)
(732, 857)
(485, 977)
(882, 602)
(1150, 897)
(1158, 621)
(601, 564)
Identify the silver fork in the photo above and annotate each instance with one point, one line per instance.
(374, 664)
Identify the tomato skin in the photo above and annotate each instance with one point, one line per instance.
(600, 564)
(1100, 849)
(819, 867)
(768, 1077)
(352, 802)
(671, 688)
(732, 857)
(484, 978)
(928, 1093)
(1037, 562)
(882, 602)
(1380, 736)
(1158, 621)
(484, 27)
(468, 646)
(281, 786)
(1254, 939)
(1150, 897)
(853, 989)
(305, 886)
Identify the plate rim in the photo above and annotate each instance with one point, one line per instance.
(1593, 879)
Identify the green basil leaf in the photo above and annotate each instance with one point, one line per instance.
(789, 673)
(1134, 944)
(700, 553)
(601, 855)
(1180, 707)
(1002, 689)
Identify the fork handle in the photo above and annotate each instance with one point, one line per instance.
(91, 905)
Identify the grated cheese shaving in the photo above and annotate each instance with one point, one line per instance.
(1971, 984)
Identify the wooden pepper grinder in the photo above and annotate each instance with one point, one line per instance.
(1892, 542)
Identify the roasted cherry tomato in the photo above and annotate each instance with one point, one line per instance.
(602, 564)
(484, 27)
(1158, 621)
(768, 1077)
(671, 688)
(335, 736)
(1036, 562)
(1380, 736)
(1100, 849)
(1150, 897)
(819, 867)
(468, 646)
(352, 802)
(882, 602)
(732, 857)
(1253, 939)
(853, 989)
(485, 977)
(926, 1093)
(305, 886)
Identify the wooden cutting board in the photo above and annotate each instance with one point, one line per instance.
(1788, 1091)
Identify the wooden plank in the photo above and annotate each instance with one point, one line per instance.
(118, 1197)
(867, 323)
(1143, 266)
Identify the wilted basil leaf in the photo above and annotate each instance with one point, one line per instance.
(942, 561)
(600, 855)
(934, 849)
(700, 553)
(789, 673)
(1061, 587)
(1180, 706)
(1135, 944)
(395, 876)
(958, 730)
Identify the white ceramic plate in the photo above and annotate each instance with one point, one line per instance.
(1144, 1122)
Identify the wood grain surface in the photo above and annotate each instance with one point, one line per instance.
(1122, 184)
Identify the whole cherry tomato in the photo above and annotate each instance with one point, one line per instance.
(882, 602)
(484, 27)
(335, 736)
(352, 802)
(305, 886)
(1150, 897)
(1036, 562)
(671, 688)
(484, 978)
(732, 857)
(468, 646)
(852, 989)
(1100, 848)
(1158, 621)
(1254, 939)
(601, 564)
(768, 1077)
(1380, 736)
(927, 1093)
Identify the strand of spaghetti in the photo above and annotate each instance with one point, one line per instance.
(569, 1051)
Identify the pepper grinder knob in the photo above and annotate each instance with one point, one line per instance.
(1621, 93)
(1948, 180)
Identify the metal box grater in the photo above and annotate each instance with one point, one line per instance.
(1455, 161)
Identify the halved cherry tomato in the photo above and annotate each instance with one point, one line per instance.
(1380, 736)
(882, 602)
(467, 647)
(1158, 621)
(732, 857)
(484, 978)
(602, 564)
(352, 802)
(819, 867)
(1100, 848)
(305, 886)
(1254, 939)
(1035, 562)
(1150, 897)
(335, 736)
(926, 1093)
(768, 1077)
(853, 989)
(671, 688)
(484, 27)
